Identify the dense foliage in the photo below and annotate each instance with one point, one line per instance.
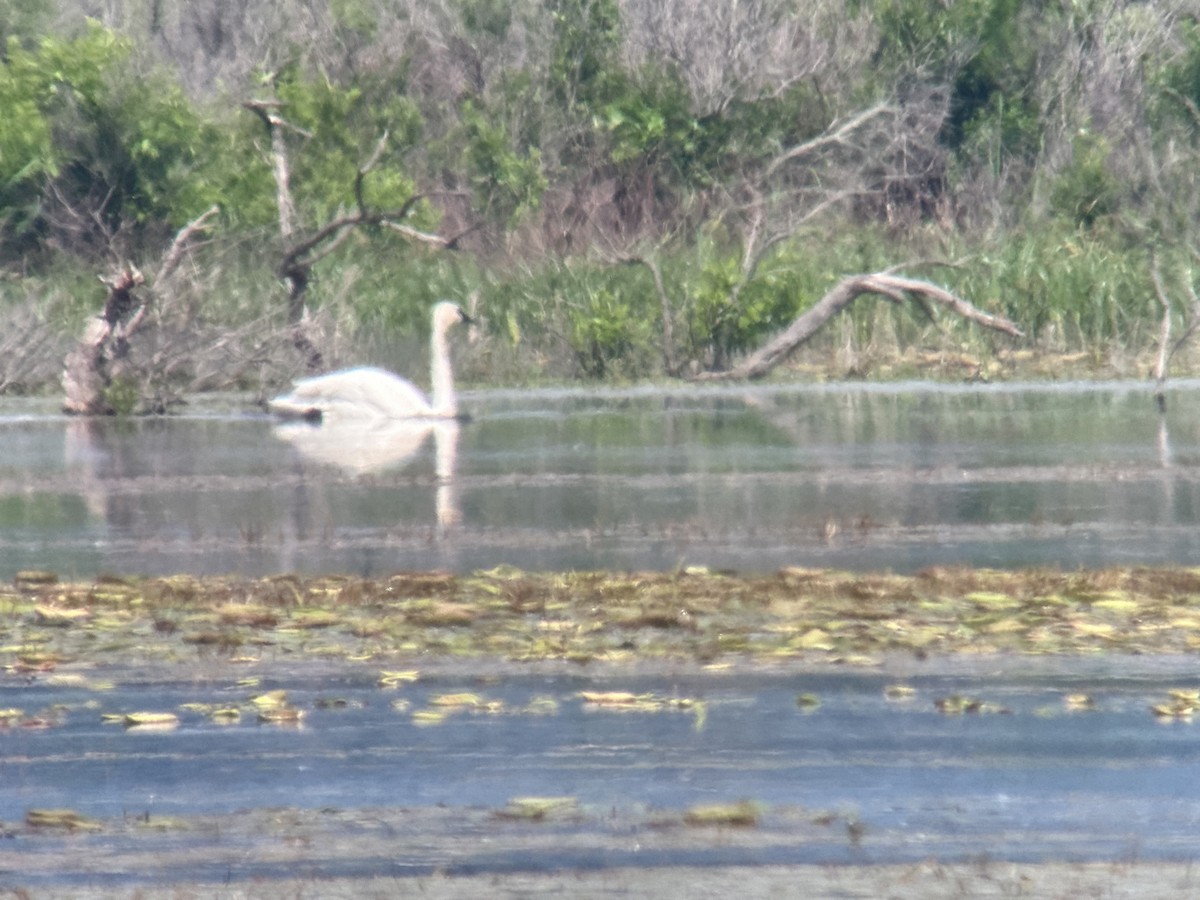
(749, 153)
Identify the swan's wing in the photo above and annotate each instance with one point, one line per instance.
(352, 393)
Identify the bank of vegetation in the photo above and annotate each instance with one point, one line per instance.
(619, 188)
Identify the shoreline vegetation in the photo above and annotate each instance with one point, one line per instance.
(617, 189)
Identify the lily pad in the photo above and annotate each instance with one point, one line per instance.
(535, 809)
(743, 814)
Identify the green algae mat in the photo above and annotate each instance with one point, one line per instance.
(694, 615)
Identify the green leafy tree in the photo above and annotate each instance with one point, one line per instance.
(92, 154)
(508, 180)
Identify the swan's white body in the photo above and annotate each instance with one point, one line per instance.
(367, 392)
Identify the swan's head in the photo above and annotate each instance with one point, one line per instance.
(446, 315)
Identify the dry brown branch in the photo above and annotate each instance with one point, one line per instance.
(894, 287)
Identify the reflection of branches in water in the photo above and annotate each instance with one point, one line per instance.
(372, 446)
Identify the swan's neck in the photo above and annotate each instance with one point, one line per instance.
(441, 377)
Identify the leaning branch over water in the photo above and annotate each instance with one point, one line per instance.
(896, 288)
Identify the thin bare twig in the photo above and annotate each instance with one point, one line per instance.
(831, 135)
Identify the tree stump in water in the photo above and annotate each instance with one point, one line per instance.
(95, 362)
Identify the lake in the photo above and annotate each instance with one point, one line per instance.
(873, 477)
(868, 477)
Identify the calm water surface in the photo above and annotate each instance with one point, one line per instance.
(750, 478)
(865, 477)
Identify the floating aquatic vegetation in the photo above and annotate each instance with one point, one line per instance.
(440, 614)
(10, 716)
(281, 715)
(1079, 702)
(611, 618)
(60, 616)
(395, 679)
(148, 822)
(67, 819)
(617, 699)
(274, 708)
(222, 715)
(276, 699)
(808, 702)
(743, 814)
(312, 618)
(36, 661)
(1181, 704)
(957, 705)
(250, 614)
(150, 721)
(537, 809)
(460, 700)
(541, 706)
(899, 692)
(430, 716)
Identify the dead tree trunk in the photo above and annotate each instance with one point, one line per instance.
(1166, 349)
(88, 374)
(100, 356)
(894, 287)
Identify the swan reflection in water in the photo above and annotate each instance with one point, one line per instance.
(369, 446)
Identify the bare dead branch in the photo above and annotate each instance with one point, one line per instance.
(181, 243)
(420, 237)
(275, 125)
(893, 287)
(1164, 337)
(297, 256)
(835, 134)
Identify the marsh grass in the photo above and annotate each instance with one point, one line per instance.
(1085, 300)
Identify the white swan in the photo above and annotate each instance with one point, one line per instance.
(369, 392)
